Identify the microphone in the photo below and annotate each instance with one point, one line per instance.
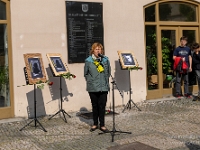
(100, 55)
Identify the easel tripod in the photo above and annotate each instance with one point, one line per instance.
(113, 131)
(128, 105)
(35, 118)
(61, 104)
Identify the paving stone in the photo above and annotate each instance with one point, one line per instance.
(133, 146)
(165, 125)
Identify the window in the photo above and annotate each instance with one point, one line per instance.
(4, 71)
(2, 11)
(150, 14)
(177, 12)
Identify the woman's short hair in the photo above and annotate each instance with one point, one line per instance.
(96, 45)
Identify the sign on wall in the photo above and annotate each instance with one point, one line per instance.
(84, 27)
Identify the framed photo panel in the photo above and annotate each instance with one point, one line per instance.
(34, 68)
(127, 59)
(56, 63)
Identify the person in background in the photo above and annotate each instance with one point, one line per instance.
(183, 52)
(97, 73)
(196, 66)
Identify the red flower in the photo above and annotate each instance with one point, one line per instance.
(50, 83)
(141, 68)
(73, 76)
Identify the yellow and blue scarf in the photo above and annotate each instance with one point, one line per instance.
(98, 64)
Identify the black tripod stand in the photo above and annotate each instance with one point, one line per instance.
(61, 104)
(113, 131)
(128, 105)
(35, 118)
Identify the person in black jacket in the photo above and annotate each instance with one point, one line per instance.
(196, 66)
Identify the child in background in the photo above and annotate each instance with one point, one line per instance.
(184, 53)
(196, 66)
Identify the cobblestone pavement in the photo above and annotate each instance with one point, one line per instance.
(165, 125)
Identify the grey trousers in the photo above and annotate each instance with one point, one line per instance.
(178, 83)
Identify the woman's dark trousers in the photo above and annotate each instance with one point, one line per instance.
(98, 100)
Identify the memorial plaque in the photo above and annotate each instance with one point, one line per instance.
(84, 27)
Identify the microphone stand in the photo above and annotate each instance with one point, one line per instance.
(113, 131)
(116, 86)
(102, 56)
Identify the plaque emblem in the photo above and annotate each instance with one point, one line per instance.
(85, 7)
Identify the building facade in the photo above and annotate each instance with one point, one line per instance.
(151, 29)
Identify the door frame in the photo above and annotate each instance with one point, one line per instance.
(8, 112)
(161, 92)
(164, 91)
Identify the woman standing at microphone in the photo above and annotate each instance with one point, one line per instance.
(96, 73)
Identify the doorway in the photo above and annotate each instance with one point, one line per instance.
(6, 84)
(169, 39)
(165, 22)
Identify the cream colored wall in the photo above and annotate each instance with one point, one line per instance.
(39, 26)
